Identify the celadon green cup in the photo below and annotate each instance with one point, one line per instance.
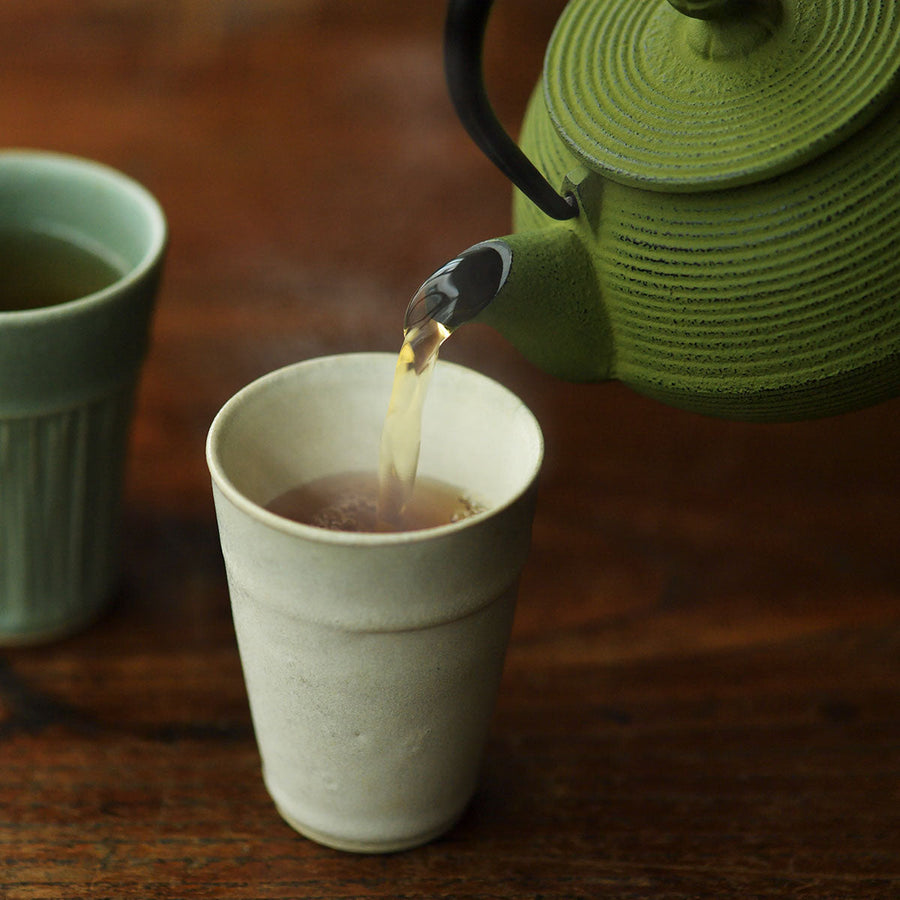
(68, 373)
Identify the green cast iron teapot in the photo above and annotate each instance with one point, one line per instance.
(707, 203)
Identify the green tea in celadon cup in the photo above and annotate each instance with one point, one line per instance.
(81, 253)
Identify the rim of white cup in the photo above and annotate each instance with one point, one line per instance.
(331, 536)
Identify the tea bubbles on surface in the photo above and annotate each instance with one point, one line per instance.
(349, 502)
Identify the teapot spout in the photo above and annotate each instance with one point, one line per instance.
(537, 288)
(458, 291)
(548, 302)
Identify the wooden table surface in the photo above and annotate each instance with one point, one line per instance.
(702, 693)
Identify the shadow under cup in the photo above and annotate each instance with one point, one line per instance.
(68, 374)
(372, 661)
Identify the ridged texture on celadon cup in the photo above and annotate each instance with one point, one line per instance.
(67, 379)
(372, 661)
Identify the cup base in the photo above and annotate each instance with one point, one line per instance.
(351, 845)
(46, 634)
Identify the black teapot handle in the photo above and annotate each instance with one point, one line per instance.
(463, 44)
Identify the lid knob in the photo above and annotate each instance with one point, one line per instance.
(726, 9)
(705, 9)
(728, 29)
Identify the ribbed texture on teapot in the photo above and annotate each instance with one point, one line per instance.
(774, 301)
(716, 93)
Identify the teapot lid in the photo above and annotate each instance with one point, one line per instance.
(686, 95)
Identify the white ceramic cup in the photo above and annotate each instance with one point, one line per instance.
(372, 661)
